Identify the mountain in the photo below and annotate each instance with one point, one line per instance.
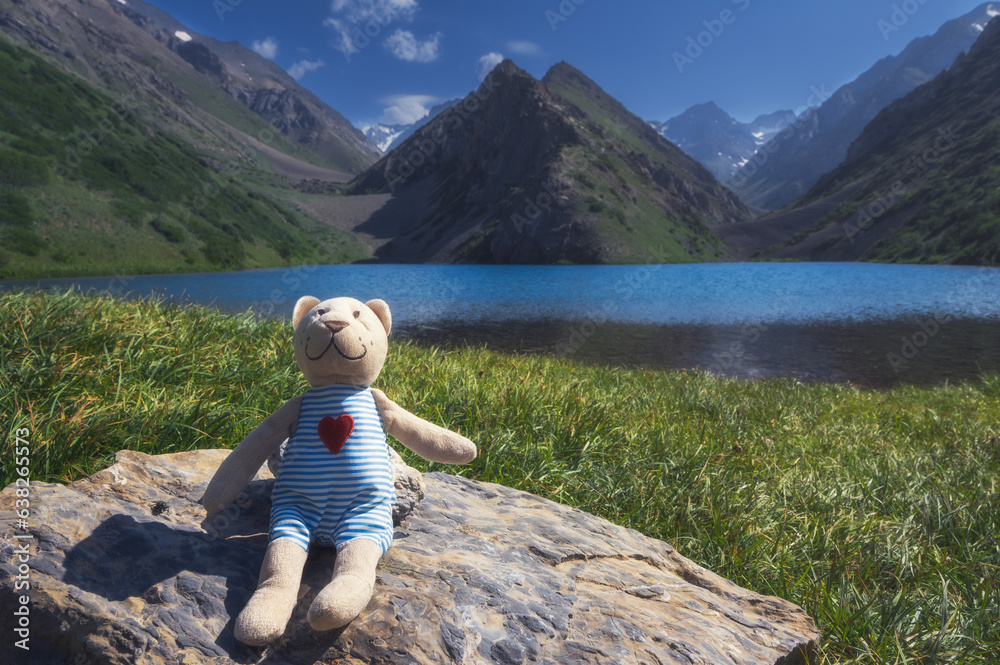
(818, 142)
(90, 185)
(132, 47)
(261, 86)
(528, 171)
(409, 130)
(719, 142)
(918, 185)
(383, 135)
(118, 155)
(387, 137)
(766, 127)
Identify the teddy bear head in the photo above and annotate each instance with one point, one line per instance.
(341, 340)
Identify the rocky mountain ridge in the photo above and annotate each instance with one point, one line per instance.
(795, 160)
(263, 87)
(527, 171)
(918, 185)
(126, 49)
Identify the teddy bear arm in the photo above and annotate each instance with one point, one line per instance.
(432, 442)
(239, 468)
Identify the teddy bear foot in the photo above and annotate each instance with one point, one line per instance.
(349, 591)
(265, 616)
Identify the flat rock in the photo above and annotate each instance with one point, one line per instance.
(125, 568)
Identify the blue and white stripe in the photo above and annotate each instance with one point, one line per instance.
(332, 499)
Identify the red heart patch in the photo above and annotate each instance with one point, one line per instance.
(334, 432)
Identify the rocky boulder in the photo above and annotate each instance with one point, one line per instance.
(124, 567)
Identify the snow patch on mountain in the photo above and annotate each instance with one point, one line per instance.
(383, 135)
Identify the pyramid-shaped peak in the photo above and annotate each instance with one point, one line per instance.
(508, 70)
(563, 71)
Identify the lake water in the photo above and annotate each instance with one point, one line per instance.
(869, 324)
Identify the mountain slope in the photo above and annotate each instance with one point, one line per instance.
(262, 87)
(818, 142)
(523, 171)
(918, 185)
(214, 92)
(88, 186)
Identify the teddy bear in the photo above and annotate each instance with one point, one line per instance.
(334, 486)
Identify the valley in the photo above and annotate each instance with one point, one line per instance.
(179, 152)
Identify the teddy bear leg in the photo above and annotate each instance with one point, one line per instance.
(351, 588)
(266, 614)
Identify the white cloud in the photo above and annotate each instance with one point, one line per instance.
(405, 46)
(303, 67)
(406, 109)
(524, 48)
(267, 47)
(358, 22)
(486, 63)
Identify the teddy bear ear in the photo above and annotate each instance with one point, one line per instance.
(381, 310)
(302, 308)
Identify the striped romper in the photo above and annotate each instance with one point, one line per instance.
(332, 499)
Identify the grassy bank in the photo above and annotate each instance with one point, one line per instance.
(878, 512)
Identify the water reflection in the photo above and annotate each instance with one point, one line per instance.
(869, 324)
(876, 354)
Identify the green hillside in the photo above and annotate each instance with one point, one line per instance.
(647, 198)
(88, 187)
(920, 185)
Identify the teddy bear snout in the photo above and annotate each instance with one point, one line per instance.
(335, 326)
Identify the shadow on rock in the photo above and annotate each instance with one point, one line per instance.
(194, 579)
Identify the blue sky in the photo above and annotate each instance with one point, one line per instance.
(658, 58)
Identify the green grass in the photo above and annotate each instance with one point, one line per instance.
(877, 512)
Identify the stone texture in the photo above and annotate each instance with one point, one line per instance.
(478, 573)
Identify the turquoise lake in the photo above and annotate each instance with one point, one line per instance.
(869, 324)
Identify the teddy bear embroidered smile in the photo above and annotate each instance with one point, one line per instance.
(334, 485)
